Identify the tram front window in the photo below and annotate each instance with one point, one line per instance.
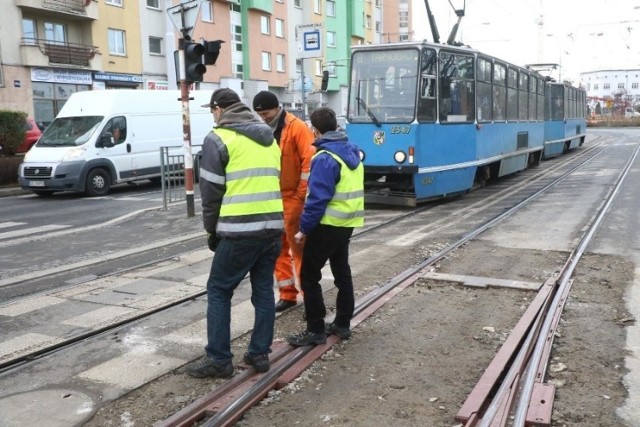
(383, 86)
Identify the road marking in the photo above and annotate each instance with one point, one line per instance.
(10, 224)
(34, 230)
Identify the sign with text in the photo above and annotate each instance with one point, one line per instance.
(310, 43)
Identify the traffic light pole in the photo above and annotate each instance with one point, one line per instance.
(186, 132)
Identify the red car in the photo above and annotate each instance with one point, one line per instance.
(31, 135)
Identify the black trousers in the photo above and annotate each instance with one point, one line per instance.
(324, 243)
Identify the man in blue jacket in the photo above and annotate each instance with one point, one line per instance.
(334, 206)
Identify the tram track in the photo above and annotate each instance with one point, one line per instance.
(248, 388)
(536, 181)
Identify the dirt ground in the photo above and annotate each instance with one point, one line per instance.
(416, 360)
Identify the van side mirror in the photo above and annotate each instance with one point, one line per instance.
(106, 140)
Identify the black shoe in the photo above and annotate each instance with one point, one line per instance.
(307, 337)
(206, 367)
(260, 362)
(333, 329)
(283, 305)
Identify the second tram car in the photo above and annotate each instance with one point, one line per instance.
(431, 120)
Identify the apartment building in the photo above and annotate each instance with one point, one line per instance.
(602, 85)
(50, 49)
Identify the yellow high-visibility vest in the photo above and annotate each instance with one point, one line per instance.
(346, 208)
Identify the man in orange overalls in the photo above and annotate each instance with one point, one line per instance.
(295, 139)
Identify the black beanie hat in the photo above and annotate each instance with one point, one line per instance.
(265, 100)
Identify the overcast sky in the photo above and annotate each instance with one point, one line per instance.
(581, 35)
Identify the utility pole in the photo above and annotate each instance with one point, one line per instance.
(187, 12)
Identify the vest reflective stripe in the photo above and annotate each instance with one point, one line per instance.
(252, 200)
(346, 208)
(304, 176)
(212, 177)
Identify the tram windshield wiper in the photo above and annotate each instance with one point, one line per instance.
(373, 117)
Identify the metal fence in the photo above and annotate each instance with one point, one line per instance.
(172, 170)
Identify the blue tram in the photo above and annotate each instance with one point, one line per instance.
(565, 124)
(433, 120)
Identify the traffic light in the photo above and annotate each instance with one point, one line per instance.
(194, 69)
(212, 50)
(325, 80)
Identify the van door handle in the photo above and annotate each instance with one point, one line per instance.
(128, 148)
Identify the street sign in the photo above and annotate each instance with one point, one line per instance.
(310, 43)
(183, 16)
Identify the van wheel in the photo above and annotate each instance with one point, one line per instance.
(98, 183)
(43, 193)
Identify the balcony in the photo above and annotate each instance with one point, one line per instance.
(69, 9)
(42, 53)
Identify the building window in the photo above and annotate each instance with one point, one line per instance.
(298, 66)
(318, 67)
(117, 43)
(331, 68)
(114, 2)
(55, 33)
(279, 28)
(316, 6)
(378, 3)
(378, 26)
(620, 85)
(280, 63)
(207, 11)
(595, 86)
(264, 25)
(239, 71)
(29, 31)
(155, 45)
(634, 85)
(331, 7)
(637, 98)
(237, 38)
(368, 21)
(297, 3)
(606, 86)
(266, 61)
(153, 4)
(331, 39)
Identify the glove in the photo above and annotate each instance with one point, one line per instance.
(212, 241)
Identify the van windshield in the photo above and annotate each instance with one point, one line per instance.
(69, 131)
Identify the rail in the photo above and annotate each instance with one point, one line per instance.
(64, 53)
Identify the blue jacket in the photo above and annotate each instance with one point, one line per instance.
(325, 173)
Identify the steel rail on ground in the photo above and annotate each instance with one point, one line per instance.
(512, 390)
(218, 409)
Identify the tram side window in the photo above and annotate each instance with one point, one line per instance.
(523, 96)
(499, 92)
(456, 87)
(557, 102)
(512, 94)
(484, 100)
(427, 96)
(533, 84)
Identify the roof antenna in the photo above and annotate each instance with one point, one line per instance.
(454, 30)
(432, 23)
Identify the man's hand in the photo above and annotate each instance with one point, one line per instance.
(212, 241)
(299, 237)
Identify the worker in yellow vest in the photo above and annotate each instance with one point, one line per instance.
(334, 206)
(242, 214)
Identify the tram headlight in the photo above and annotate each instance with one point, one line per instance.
(400, 156)
(362, 156)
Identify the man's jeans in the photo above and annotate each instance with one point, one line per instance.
(233, 259)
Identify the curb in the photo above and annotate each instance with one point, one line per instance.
(12, 191)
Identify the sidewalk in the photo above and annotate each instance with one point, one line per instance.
(12, 191)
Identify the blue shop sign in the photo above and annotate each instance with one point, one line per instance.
(110, 77)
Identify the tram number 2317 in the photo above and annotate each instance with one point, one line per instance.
(400, 129)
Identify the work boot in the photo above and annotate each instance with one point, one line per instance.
(260, 362)
(333, 329)
(206, 367)
(283, 305)
(306, 338)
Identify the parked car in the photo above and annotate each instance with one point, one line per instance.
(31, 135)
(630, 112)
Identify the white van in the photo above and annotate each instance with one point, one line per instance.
(630, 112)
(106, 137)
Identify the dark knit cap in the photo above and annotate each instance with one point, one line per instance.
(265, 100)
(223, 98)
